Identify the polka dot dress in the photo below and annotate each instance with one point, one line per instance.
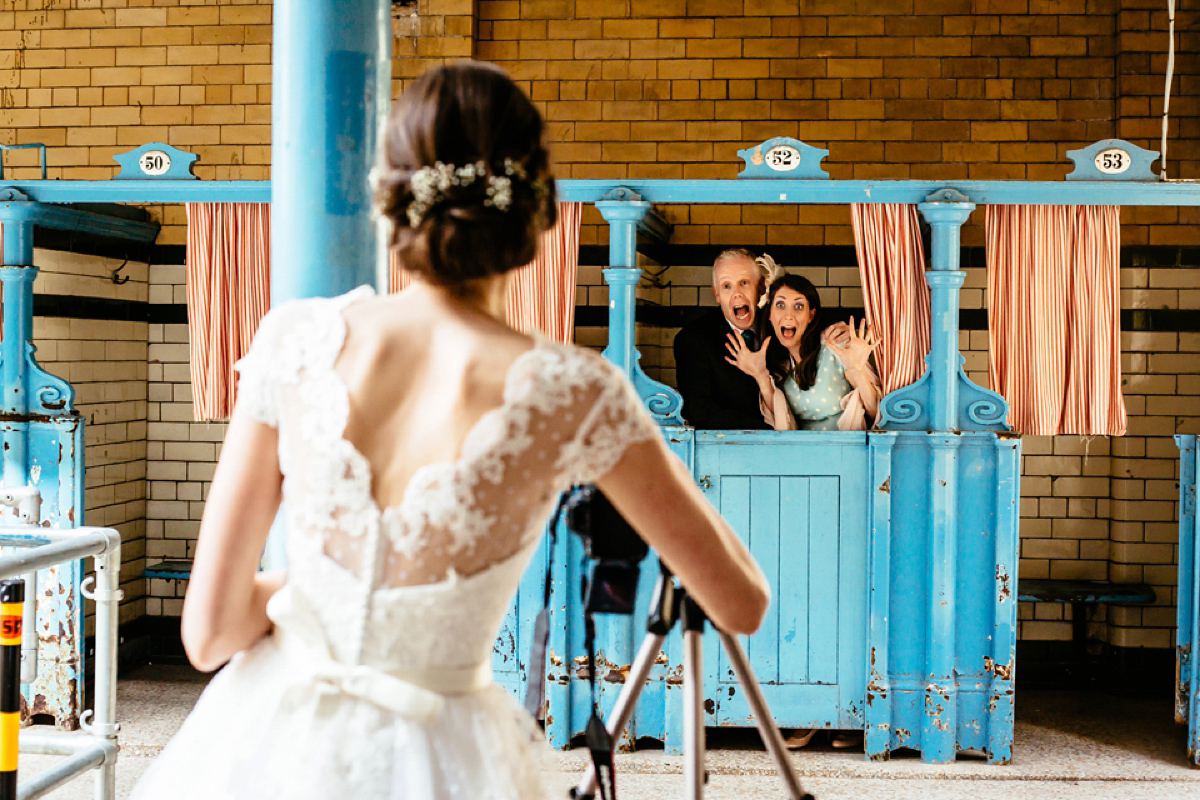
(819, 407)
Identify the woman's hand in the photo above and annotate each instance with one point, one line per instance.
(751, 362)
(853, 347)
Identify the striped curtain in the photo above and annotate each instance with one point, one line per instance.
(541, 294)
(228, 292)
(1054, 323)
(891, 265)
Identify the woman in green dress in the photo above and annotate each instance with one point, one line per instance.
(809, 378)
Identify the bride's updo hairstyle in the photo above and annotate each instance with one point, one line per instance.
(464, 175)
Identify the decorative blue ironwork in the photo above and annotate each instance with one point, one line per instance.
(623, 217)
(156, 162)
(784, 157)
(1112, 160)
(944, 398)
(789, 191)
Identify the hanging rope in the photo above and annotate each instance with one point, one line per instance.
(1162, 163)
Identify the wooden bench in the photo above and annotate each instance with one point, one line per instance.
(1081, 594)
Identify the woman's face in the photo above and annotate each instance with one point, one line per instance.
(790, 315)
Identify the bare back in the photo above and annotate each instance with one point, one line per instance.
(420, 376)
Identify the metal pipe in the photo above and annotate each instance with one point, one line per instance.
(55, 743)
(693, 714)
(767, 729)
(70, 767)
(623, 710)
(47, 555)
(29, 633)
(107, 596)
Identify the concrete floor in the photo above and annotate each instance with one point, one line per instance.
(1069, 746)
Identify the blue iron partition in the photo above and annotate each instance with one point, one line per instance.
(892, 554)
(43, 456)
(1187, 688)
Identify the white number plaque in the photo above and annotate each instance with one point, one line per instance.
(154, 162)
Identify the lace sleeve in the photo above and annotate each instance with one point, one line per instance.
(256, 386)
(616, 419)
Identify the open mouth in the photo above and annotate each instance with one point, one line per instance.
(741, 313)
(787, 332)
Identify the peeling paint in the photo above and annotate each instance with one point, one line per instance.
(886, 486)
(1005, 583)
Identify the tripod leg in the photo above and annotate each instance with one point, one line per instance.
(767, 728)
(693, 714)
(623, 710)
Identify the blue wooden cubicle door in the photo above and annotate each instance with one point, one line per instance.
(799, 502)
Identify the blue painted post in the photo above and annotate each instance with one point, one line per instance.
(939, 733)
(17, 276)
(331, 79)
(1004, 642)
(622, 276)
(878, 713)
(330, 88)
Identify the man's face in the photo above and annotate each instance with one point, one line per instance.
(737, 283)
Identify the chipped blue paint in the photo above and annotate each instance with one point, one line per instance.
(1187, 689)
(43, 445)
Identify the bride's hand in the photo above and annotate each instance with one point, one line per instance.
(851, 346)
(751, 362)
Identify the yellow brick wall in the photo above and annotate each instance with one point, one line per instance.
(106, 361)
(945, 89)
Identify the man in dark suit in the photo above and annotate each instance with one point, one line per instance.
(716, 394)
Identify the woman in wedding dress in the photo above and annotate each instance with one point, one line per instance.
(419, 445)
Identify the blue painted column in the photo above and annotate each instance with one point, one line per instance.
(622, 276)
(331, 79)
(17, 277)
(330, 91)
(939, 734)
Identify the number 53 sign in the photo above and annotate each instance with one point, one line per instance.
(1112, 160)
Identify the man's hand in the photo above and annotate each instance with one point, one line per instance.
(751, 362)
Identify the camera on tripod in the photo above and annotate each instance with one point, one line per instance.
(612, 544)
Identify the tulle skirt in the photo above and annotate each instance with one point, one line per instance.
(248, 737)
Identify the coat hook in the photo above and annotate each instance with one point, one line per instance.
(117, 278)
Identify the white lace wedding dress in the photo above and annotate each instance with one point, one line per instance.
(375, 682)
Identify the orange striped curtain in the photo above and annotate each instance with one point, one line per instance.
(891, 265)
(541, 294)
(1054, 322)
(228, 292)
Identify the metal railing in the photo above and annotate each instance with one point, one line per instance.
(95, 746)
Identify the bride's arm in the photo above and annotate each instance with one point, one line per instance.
(655, 493)
(225, 610)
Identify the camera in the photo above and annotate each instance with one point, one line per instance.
(612, 543)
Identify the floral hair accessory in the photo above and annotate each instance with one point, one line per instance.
(430, 184)
(771, 273)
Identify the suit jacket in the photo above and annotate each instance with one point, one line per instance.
(716, 394)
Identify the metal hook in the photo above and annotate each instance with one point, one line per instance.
(116, 277)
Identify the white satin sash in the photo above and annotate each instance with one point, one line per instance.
(416, 695)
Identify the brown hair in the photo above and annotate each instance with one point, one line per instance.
(458, 115)
(778, 359)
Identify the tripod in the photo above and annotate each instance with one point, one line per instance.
(665, 608)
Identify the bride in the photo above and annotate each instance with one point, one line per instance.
(419, 444)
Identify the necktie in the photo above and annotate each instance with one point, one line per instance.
(750, 339)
